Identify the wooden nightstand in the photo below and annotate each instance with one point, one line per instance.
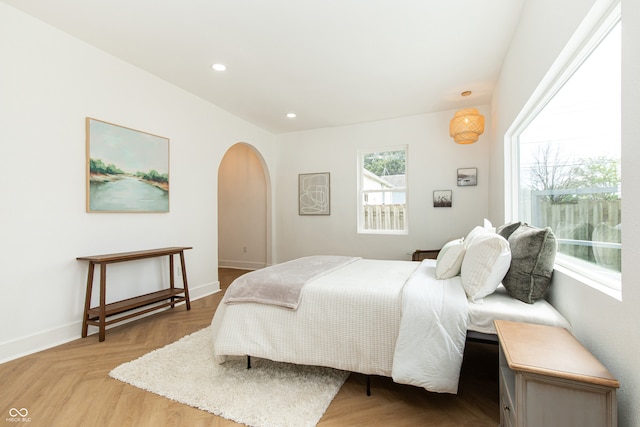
(547, 379)
(420, 254)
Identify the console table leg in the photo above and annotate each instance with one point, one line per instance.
(184, 280)
(87, 300)
(171, 279)
(103, 301)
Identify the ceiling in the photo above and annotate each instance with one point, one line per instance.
(332, 62)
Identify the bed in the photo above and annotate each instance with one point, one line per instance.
(377, 317)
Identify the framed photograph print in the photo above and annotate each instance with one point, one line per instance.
(314, 196)
(127, 170)
(442, 198)
(467, 177)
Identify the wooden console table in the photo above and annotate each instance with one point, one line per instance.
(97, 316)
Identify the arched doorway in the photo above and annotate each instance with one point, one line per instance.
(244, 237)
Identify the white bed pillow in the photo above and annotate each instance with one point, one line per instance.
(479, 230)
(475, 232)
(486, 261)
(449, 261)
(488, 226)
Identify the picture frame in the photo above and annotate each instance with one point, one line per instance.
(314, 193)
(467, 177)
(127, 170)
(442, 198)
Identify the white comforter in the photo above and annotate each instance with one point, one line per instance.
(433, 331)
(350, 319)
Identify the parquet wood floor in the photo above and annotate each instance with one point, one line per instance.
(69, 385)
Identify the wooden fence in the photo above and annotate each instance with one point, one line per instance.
(589, 229)
(384, 217)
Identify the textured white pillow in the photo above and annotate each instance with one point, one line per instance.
(477, 231)
(486, 261)
(449, 261)
(488, 226)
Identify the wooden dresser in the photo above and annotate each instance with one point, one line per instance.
(548, 379)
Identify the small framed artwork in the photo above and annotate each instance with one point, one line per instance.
(467, 177)
(127, 169)
(314, 197)
(442, 198)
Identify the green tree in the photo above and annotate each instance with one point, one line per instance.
(385, 163)
(98, 166)
(599, 172)
(153, 175)
(551, 170)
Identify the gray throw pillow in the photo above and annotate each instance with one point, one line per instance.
(507, 230)
(533, 253)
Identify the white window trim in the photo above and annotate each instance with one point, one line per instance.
(360, 166)
(604, 15)
(608, 286)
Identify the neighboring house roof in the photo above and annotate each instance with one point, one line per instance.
(387, 181)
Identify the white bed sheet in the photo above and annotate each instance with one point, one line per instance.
(499, 305)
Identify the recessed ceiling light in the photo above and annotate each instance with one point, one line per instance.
(219, 67)
(291, 115)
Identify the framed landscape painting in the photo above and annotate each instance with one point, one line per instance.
(127, 170)
(442, 199)
(467, 177)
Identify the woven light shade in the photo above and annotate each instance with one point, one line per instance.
(466, 126)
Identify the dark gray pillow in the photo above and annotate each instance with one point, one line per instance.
(507, 229)
(533, 253)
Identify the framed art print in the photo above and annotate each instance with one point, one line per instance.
(314, 196)
(467, 177)
(127, 170)
(442, 199)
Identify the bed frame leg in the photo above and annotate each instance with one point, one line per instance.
(248, 362)
(368, 385)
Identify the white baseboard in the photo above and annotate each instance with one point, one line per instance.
(241, 265)
(62, 334)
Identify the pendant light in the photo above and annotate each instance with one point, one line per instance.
(467, 124)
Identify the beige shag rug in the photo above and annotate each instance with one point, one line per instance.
(270, 394)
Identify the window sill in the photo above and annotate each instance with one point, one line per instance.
(384, 232)
(598, 286)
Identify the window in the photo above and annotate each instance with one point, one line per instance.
(382, 191)
(569, 162)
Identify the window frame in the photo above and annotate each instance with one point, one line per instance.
(584, 42)
(361, 191)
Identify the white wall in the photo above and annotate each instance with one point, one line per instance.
(432, 165)
(49, 83)
(606, 326)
